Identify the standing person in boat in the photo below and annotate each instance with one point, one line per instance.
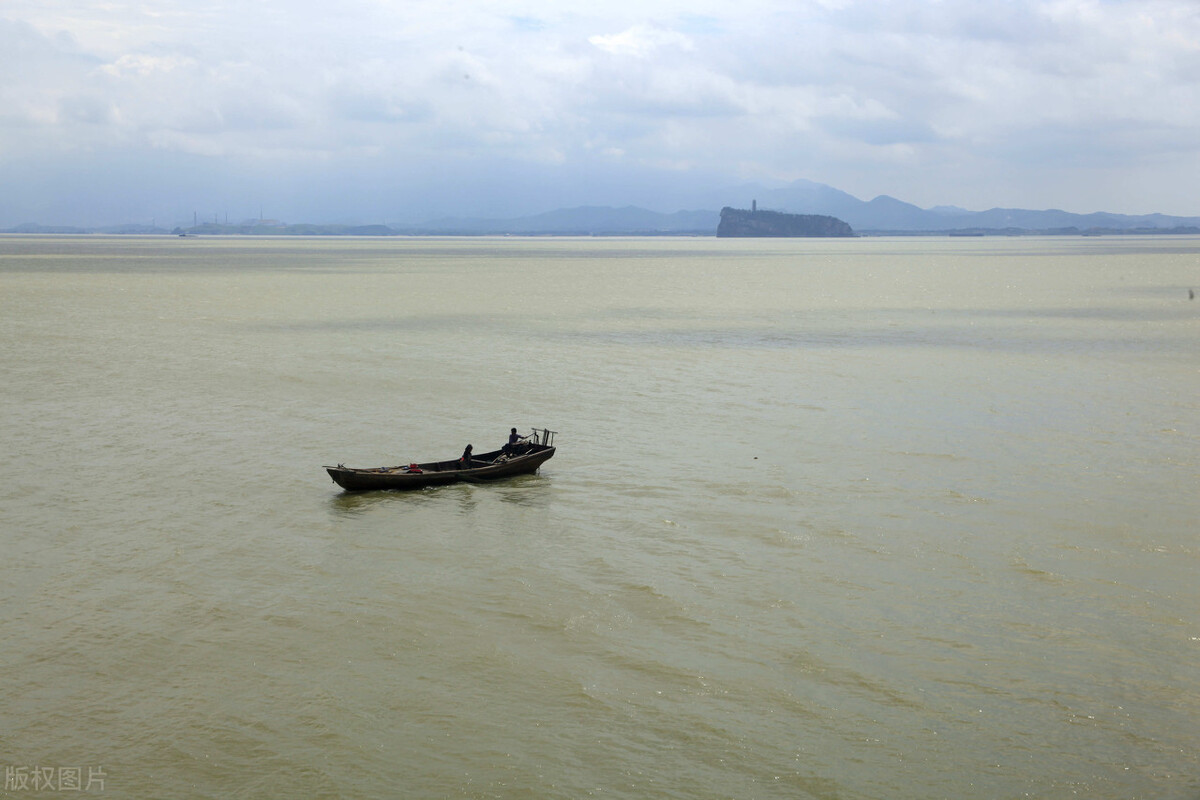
(465, 461)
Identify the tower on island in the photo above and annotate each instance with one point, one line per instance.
(753, 206)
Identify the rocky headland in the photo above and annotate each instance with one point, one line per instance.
(740, 222)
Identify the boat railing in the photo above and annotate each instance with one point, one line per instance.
(543, 436)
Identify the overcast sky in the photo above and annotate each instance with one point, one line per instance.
(390, 111)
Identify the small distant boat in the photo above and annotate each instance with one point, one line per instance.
(522, 459)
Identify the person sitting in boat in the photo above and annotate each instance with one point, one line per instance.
(514, 439)
(465, 461)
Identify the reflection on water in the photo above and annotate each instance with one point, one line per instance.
(520, 490)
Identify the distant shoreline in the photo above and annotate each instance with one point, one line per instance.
(320, 231)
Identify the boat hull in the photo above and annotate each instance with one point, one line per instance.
(485, 467)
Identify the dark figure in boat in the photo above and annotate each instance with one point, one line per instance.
(514, 439)
(465, 461)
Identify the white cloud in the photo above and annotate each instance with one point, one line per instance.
(764, 88)
(642, 41)
(143, 65)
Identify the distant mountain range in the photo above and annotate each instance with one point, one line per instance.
(887, 214)
(882, 215)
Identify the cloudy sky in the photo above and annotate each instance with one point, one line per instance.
(404, 110)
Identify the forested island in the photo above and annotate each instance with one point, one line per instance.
(740, 222)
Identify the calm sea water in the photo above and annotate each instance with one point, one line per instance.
(870, 518)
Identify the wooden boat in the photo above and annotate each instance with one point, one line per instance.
(523, 459)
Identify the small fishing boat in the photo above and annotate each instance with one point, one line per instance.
(522, 458)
